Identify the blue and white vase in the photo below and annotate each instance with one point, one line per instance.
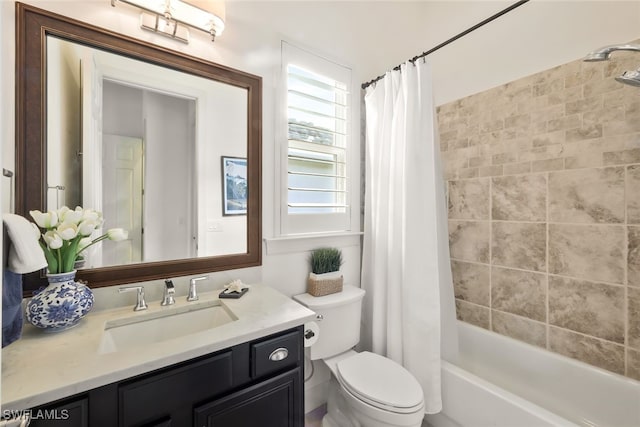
(61, 304)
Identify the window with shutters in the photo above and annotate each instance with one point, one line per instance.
(317, 144)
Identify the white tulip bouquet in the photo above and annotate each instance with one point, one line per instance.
(68, 233)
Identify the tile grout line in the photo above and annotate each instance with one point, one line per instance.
(574, 224)
(548, 171)
(588, 336)
(506, 267)
(523, 318)
(547, 322)
(491, 254)
(625, 304)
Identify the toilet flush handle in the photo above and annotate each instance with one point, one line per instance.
(319, 317)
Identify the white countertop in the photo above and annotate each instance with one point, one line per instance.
(42, 367)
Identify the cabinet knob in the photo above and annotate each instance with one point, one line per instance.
(279, 354)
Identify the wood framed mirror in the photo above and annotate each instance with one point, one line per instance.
(37, 32)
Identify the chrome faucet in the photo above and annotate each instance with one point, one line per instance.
(140, 302)
(169, 292)
(193, 292)
(604, 53)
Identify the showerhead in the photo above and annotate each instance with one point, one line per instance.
(630, 78)
(603, 53)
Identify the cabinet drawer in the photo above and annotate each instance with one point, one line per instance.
(161, 395)
(275, 354)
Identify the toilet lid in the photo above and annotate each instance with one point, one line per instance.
(380, 382)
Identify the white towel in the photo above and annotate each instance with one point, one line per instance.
(20, 420)
(25, 254)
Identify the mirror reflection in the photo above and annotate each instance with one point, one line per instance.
(160, 152)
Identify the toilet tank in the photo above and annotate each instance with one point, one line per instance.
(340, 321)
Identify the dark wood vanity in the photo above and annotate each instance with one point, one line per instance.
(242, 386)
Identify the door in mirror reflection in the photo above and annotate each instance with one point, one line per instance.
(122, 199)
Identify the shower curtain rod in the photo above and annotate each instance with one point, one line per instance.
(452, 39)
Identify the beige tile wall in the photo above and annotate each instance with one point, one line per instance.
(543, 181)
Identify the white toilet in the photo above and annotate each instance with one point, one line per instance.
(366, 389)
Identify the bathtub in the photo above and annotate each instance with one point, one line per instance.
(502, 382)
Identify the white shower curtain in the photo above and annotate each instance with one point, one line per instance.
(405, 250)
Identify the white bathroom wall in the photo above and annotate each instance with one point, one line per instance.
(224, 135)
(122, 110)
(63, 67)
(168, 217)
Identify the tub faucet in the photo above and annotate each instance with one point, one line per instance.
(169, 292)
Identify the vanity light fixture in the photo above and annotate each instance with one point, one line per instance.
(171, 17)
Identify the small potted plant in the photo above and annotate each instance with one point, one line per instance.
(325, 277)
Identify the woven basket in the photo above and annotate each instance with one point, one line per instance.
(319, 286)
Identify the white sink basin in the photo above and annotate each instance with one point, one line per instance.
(163, 325)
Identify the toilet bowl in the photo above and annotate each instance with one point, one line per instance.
(366, 389)
(377, 392)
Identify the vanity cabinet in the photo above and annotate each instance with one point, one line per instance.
(69, 413)
(248, 407)
(258, 383)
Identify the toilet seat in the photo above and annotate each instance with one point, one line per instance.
(380, 382)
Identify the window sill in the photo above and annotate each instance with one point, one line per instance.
(308, 242)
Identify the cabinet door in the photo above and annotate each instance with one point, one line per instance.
(170, 394)
(74, 413)
(276, 402)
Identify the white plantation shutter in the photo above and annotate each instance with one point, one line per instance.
(317, 172)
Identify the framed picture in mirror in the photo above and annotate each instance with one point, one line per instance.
(234, 186)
